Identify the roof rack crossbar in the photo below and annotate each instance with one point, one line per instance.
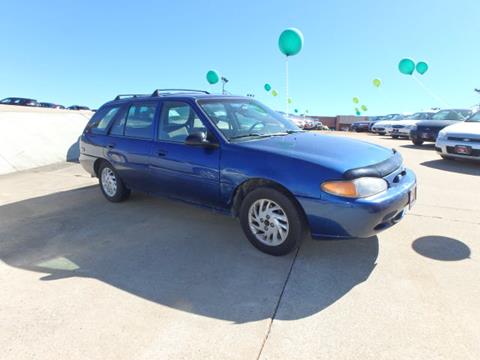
(121, 96)
(158, 92)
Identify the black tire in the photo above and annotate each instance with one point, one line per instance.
(417, 142)
(297, 227)
(445, 157)
(121, 193)
(395, 136)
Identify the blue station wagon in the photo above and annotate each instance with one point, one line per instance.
(236, 156)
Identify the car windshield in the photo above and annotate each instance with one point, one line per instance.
(457, 115)
(244, 118)
(398, 117)
(474, 118)
(421, 116)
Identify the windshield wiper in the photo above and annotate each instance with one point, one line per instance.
(266, 135)
(244, 136)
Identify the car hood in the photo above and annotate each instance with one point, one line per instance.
(407, 122)
(437, 123)
(333, 152)
(464, 128)
(383, 123)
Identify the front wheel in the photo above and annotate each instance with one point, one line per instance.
(271, 221)
(417, 142)
(111, 184)
(395, 136)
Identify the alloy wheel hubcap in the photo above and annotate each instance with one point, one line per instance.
(268, 222)
(109, 182)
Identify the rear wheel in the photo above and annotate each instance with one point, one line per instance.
(445, 157)
(417, 142)
(271, 221)
(111, 184)
(395, 136)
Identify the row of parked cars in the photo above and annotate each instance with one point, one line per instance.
(455, 132)
(308, 123)
(32, 102)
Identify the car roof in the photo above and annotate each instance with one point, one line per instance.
(122, 99)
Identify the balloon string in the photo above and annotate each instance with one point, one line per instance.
(286, 86)
(431, 93)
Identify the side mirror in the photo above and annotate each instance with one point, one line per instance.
(199, 139)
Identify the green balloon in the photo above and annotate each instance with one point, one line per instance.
(364, 107)
(406, 66)
(267, 87)
(356, 100)
(377, 83)
(422, 67)
(274, 92)
(290, 100)
(306, 111)
(358, 113)
(290, 41)
(296, 110)
(357, 110)
(212, 77)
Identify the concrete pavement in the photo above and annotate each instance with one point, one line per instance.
(155, 279)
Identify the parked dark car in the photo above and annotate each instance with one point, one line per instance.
(78, 107)
(360, 126)
(19, 101)
(427, 130)
(238, 157)
(50, 105)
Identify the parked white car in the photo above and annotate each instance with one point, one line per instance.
(402, 128)
(380, 126)
(460, 140)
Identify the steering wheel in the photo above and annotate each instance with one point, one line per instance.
(254, 125)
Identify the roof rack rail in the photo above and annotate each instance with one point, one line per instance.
(158, 92)
(121, 96)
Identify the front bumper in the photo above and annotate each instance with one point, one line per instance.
(403, 132)
(378, 130)
(449, 148)
(335, 217)
(420, 135)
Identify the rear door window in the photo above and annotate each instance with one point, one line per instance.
(140, 121)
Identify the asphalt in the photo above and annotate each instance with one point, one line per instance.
(82, 278)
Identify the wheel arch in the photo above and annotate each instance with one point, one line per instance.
(97, 164)
(247, 186)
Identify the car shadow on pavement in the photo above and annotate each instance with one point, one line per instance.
(173, 254)
(456, 166)
(441, 248)
(429, 146)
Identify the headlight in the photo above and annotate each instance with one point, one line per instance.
(358, 188)
(442, 135)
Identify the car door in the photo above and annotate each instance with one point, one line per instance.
(130, 144)
(182, 171)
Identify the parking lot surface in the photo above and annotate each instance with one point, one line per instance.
(82, 278)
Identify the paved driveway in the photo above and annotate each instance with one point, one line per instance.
(82, 278)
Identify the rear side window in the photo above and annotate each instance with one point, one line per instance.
(102, 119)
(140, 120)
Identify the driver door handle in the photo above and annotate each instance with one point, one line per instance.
(162, 152)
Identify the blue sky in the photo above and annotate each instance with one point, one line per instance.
(86, 52)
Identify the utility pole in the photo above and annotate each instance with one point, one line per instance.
(224, 81)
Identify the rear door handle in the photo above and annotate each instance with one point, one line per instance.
(162, 152)
(111, 146)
